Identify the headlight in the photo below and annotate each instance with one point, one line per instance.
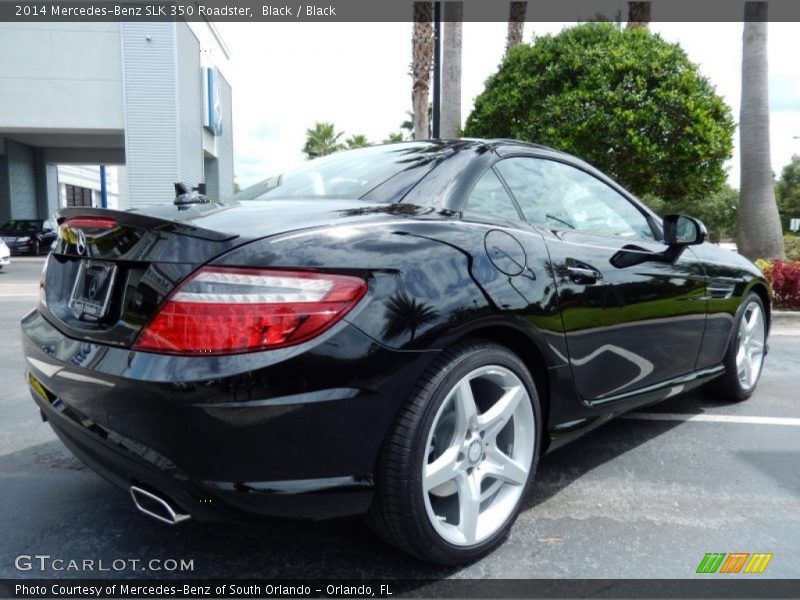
(24, 240)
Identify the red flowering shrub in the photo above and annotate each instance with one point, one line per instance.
(784, 280)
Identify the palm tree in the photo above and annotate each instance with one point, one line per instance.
(516, 24)
(408, 124)
(638, 15)
(405, 314)
(759, 234)
(394, 137)
(322, 140)
(421, 64)
(356, 141)
(451, 70)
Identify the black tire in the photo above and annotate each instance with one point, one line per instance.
(398, 512)
(727, 387)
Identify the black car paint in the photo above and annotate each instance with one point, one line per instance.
(296, 431)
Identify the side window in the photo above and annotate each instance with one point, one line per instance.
(554, 194)
(490, 197)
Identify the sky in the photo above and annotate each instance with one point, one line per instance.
(287, 76)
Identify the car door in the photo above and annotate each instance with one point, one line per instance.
(632, 317)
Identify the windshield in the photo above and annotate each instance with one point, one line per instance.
(351, 174)
(24, 226)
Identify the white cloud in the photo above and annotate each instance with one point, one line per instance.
(286, 76)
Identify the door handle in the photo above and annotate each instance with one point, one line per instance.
(583, 273)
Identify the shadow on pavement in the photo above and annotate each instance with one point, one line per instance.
(60, 507)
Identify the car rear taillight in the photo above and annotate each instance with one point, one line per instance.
(89, 223)
(227, 311)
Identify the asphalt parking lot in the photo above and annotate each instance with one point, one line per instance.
(643, 497)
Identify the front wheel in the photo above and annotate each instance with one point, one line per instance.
(455, 469)
(744, 358)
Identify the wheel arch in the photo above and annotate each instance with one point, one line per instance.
(762, 291)
(531, 355)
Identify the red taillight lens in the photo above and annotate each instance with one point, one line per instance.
(89, 223)
(229, 311)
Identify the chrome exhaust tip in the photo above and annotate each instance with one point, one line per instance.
(157, 507)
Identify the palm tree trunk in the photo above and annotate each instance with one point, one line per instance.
(421, 63)
(638, 15)
(451, 70)
(759, 234)
(516, 24)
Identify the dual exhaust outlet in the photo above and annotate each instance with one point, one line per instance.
(157, 507)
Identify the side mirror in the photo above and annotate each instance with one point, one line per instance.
(680, 230)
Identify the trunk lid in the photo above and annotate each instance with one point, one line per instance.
(109, 270)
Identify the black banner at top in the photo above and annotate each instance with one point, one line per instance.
(377, 10)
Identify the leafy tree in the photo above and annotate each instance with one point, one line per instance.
(788, 192)
(623, 99)
(356, 141)
(322, 140)
(394, 137)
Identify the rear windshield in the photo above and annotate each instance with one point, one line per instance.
(351, 174)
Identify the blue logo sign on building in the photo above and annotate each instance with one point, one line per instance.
(212, 101)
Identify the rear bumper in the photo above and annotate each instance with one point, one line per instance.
(292, 433)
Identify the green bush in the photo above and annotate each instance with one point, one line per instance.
(792, 244)
(625, 100)
(784, 282)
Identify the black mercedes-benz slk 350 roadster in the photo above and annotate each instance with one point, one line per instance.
(399, 331)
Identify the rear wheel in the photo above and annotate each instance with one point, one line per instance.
(744, 358)
(456, 467)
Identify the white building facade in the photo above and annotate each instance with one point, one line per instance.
(82, 185)
(149, 98)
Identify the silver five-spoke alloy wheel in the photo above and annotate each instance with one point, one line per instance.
(479, 454)
(750, 350)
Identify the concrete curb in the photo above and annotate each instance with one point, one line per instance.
(786, 322)
(19, 289)
(786, 316)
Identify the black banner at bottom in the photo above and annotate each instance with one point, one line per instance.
(731, 587)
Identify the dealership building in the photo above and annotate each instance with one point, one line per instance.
(148, 103)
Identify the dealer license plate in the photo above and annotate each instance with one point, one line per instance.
(92, 290)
